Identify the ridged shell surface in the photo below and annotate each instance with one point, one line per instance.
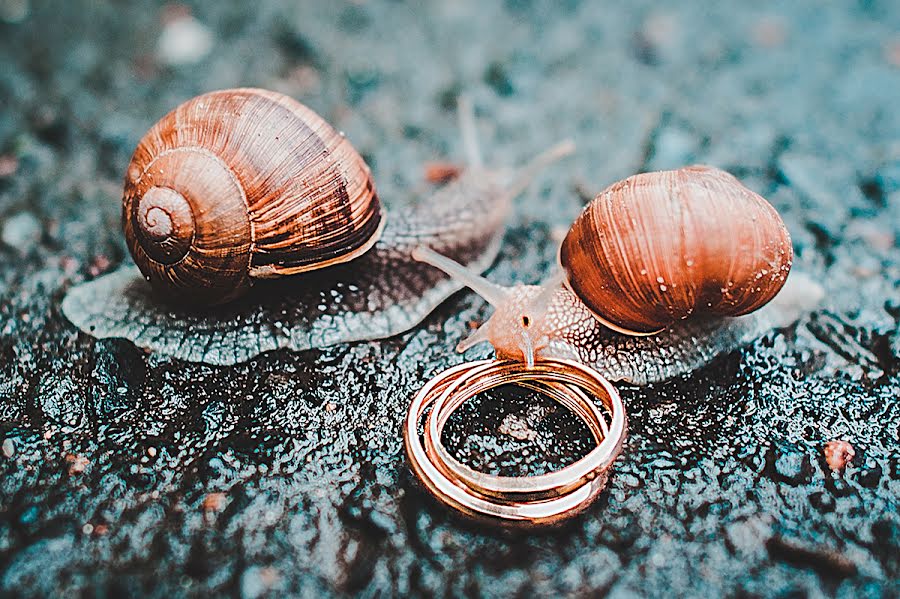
(244, 183)
(658, 247)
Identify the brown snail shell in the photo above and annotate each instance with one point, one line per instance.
(240, 184)
(658, 247)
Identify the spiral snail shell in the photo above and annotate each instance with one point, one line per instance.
(649, 252)
(242, 184)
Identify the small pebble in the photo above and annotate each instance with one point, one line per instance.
(21, 231)
(661, 29)
(305, 79)
(498, 79)
(892, 52)
(517, 428)
(9, 164)
(769, 32)
(258, 582)
(69, 265)
(838, 454)
(440, 172)
(863, 272)
(657, 36)
(793, 468)
(184, 41)
(99, 265)
(214, 502)
(14, 11)
(9, 448)
(77, 463)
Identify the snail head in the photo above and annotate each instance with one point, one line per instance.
(519, 328)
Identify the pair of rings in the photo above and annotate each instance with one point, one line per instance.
(537, 499)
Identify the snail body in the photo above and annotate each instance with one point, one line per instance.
(609, 308)
(323, 264)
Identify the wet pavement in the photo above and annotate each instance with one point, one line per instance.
(127, 472)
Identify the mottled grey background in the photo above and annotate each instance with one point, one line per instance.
(128, 473)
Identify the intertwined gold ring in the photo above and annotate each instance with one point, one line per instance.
(537, 499)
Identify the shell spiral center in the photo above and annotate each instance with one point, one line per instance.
(165, 224)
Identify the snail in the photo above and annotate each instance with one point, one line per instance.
(660, 273)
(281, 195)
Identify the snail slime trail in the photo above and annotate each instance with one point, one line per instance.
(660, 273)
(356, 281)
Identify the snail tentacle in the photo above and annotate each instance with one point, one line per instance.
(469, 131)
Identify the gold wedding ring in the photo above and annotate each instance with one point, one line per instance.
(537, 499)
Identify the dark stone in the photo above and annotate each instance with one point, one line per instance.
(361, 82)
(793, 469)
(497, 77)
(827, 562)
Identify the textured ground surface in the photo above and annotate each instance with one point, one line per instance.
(127, 472)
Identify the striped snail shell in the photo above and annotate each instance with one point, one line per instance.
(242, 184)
(658, 247)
